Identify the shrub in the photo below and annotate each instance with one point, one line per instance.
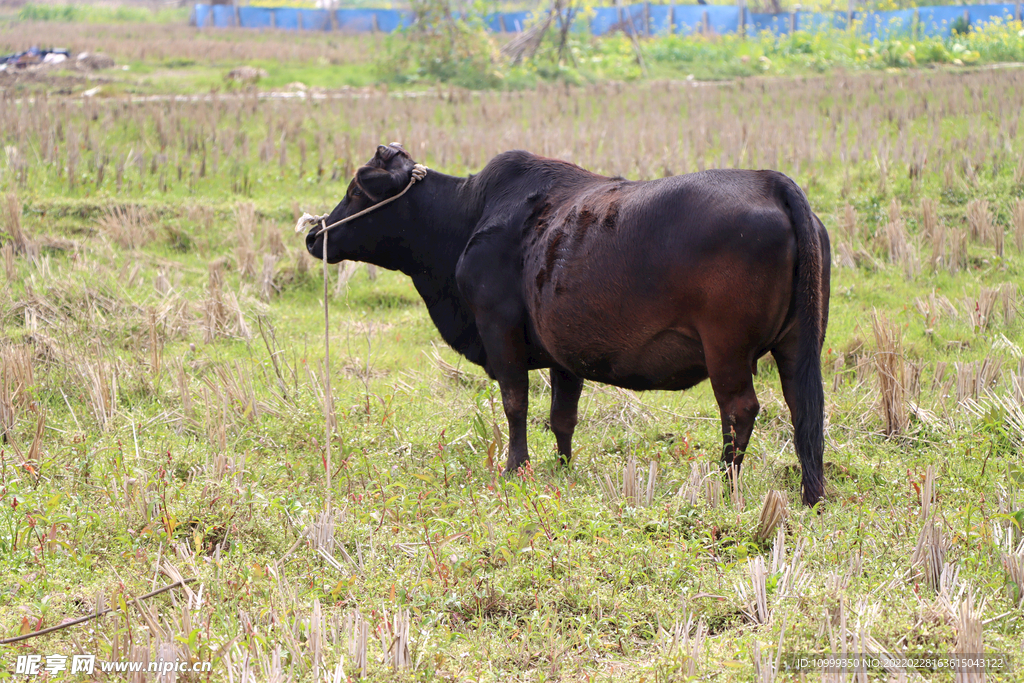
(443, 46)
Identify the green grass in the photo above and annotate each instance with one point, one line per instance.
(211, 456)
(98, 14)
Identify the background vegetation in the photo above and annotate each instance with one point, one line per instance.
(101, 14)
(178, 59)
(464, 53)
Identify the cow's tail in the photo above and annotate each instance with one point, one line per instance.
(808, 405)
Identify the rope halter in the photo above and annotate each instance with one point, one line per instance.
(419, 172)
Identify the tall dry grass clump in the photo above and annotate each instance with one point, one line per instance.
(890, 367)
(1013, 564)
(631, 488)
(272, 241)
(845, 258)
(950, 180)
(130, 226)
(156, 345)
(956, 253)
(929, 217)
(757, 598)
(687, 639)
(1008, 297)
(969, 641)
(1018, 223)
(979, 221)
(930, 554)
(773, 513)
(792, 579)
(101, 385)
(346, 269)
(266, 284)
(934, 231)
(735, 484)
(357, 632)
(394, 640)
(1017, 382)
(980, 310)
(222, 314)
(973, 379)
(161, 284)
(703, 479)
(935, 308)
(897, 241)
(850, 225)
(12, 225)
(927, 493)
(689, 492)
(245, 239)
(16, 377)
(200, 216)
(214, 310)
(10, 267)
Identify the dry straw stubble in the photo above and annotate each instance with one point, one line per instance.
(631, 488)
(12, 223)
(129, 226)
(245, 239)
(889, 365)
(1018, 222)
(773, 513)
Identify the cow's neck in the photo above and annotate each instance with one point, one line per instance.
(442, 222)
(446, 210)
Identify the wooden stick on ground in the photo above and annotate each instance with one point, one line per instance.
(68, 624)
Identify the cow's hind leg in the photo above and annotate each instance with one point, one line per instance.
(734, 390)
(565, 398)
(801, 385)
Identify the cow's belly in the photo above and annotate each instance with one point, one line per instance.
(625, 340)
(666, 360)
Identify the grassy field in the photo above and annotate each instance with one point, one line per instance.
(162, 378)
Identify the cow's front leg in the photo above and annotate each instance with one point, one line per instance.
(506, 362)
(488, 276)
(565, 398)
(515, 397)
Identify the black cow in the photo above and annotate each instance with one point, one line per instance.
(538, 263)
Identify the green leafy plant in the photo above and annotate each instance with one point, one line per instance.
(442, 45)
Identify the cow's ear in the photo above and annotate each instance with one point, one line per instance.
(379, 183)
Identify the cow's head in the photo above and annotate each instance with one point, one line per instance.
(369, 237)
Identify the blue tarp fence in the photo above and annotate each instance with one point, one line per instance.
(643, 19)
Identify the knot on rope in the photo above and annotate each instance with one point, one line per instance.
(308, 220)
